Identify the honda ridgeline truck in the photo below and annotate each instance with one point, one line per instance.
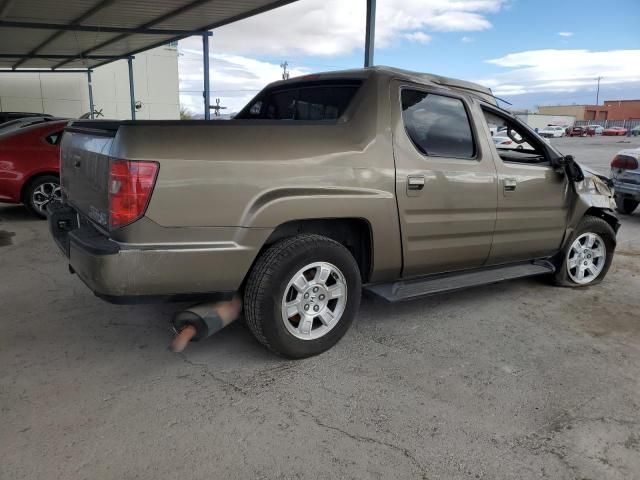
(321, 186)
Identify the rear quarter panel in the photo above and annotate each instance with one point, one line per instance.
(260, 174)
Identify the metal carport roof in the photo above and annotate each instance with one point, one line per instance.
(89, 33)
(63, 35)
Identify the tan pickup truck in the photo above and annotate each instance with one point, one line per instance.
(324, 185)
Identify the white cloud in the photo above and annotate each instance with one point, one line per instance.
(467, 39)
(336, 27)
(322, 28)
(565, 34)
(562, 70)
(234, 79)
(418, 37)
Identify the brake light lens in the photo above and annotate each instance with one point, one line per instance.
(625, 162)
(130, 186)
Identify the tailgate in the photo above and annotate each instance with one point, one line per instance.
(84, 167)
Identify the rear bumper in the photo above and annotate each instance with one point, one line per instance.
(122, 273)
(626, 190)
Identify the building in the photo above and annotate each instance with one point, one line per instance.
(610, 110)
(539, 121)
(155, 74)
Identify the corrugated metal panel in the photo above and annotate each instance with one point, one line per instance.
(70, 43)
(48, 11)
(187, 15)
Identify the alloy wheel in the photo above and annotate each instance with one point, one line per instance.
(314, 300)
(44, 194)
(586, 259)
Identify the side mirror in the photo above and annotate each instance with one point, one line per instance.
(572, 169)
(565, 160)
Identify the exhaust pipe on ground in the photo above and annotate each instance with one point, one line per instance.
(202, 321)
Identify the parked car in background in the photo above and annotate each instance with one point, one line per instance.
(30, 166)
(361, 184)
(18, 123)
(625, 174)
(615, 131)
(505, 143)
(597, 129)
(551, 131)
(8, 116)
(578, 132)
(635, 131)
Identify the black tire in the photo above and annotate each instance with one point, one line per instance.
(269, 278)
(589, 224)
(626, 205)
(31, 187)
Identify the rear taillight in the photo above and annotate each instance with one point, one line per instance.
(130, 186)
(625, 162)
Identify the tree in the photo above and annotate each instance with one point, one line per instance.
(185, 114)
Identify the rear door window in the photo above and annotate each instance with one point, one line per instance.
(437, 125)
(308, 101)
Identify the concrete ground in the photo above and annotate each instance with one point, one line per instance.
(512, 381)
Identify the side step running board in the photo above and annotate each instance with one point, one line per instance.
(419, 287)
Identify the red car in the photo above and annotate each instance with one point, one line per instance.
(615, 131)
(578, 132)
(30, 165)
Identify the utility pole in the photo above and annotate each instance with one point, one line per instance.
(285, 72)
(598, 90)
(217, 107)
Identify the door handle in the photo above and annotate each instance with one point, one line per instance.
(415, 182)
(509, 184)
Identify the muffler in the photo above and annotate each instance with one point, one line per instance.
(202, 321)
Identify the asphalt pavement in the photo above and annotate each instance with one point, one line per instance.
(518, 380)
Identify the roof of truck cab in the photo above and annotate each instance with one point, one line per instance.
(400, 74)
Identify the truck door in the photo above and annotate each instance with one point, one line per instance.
(446, 183)
(533, 199)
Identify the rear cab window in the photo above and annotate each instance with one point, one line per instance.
(304, 101)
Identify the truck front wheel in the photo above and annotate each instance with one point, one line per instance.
(302, 295)
(588, 254)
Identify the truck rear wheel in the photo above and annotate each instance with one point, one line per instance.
(302, 295)
(588, 254)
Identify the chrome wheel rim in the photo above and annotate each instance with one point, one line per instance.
(586, 258)
(314, 300)
(46, 193)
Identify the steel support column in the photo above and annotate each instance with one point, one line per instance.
(205, 63)
(370, 33)
(90, 93)
(132, 93)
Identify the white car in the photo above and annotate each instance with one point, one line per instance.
(551, 131)
(505, 143)
(598, 128)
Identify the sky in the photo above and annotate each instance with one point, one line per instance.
(529, 52)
